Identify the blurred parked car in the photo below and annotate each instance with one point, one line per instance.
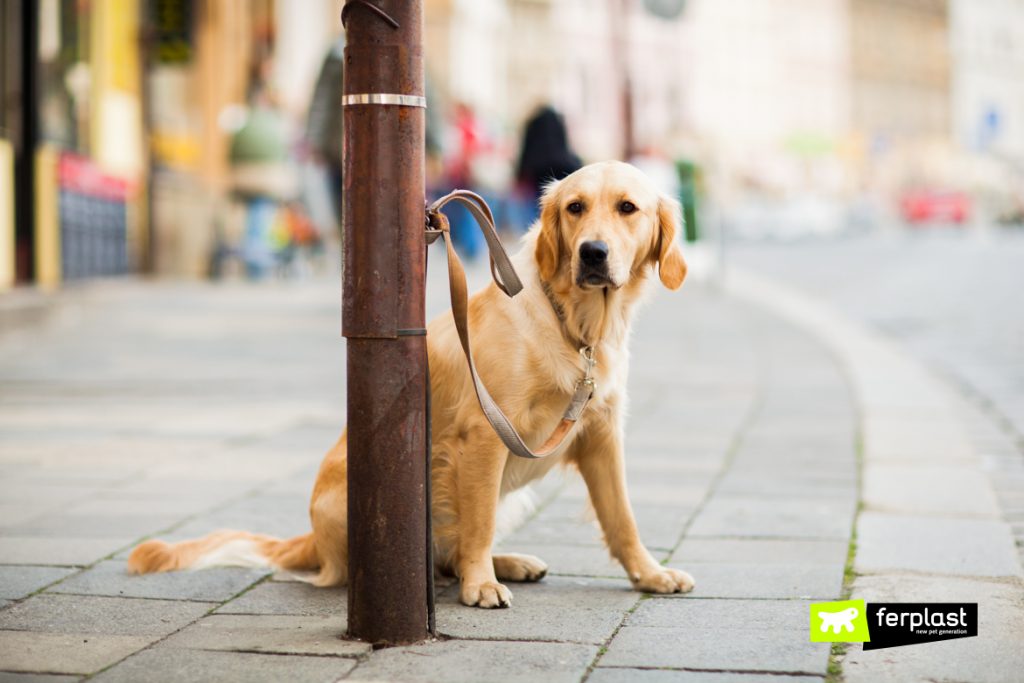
(933, 206)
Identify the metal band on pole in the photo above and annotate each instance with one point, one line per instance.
(384, 98)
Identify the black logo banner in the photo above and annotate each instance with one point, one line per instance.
(892, 624)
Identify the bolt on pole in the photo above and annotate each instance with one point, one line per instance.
(383, 318)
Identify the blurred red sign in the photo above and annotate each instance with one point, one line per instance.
(80, 174)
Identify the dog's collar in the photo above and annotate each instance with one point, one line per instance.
(578, 342)
(559, 311)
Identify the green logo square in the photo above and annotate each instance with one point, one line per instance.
(845, 621)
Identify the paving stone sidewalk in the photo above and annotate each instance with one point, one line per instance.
(172, 410)
(941, 496)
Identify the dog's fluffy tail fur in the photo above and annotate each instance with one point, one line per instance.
(226, 549)
(323, 550)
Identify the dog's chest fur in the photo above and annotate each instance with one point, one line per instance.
(609, 375)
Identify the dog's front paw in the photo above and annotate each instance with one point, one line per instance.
(665, 580)
(488, 595)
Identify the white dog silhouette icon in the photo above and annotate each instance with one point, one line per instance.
(838, 621)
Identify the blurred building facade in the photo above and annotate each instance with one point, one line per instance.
(505, 58)
(900, 87)
(770, 94)
(113, 144)
(836, 98)
(987, 93)
(116, 114)
(987, 85)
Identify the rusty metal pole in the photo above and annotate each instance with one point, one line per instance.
(383, 320)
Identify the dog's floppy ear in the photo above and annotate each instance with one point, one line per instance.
(548, 251)
(671, 266)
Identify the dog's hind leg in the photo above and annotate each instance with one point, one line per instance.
(519, 567)
(444, 514)
(328, 510)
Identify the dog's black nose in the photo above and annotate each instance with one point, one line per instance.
(594, 254)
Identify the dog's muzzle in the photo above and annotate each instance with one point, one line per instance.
(593, 264)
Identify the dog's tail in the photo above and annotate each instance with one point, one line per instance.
(226, 549)
(324, 550)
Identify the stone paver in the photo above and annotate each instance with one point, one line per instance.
(112, 578)
(758, 635)
(765, 551)
(24, 550)
(660, 526)
(289, 597)
(285, 635)
(755, 580)
(569, 522)
(935, 545)
(773, 615)
(70, 525)
(283, 516)
(102, 615)
(961, 490)
(590, 560)
(625, 675)
(734, 516)
(576, 610)
(788, 484)
(18, 582)
(901, 438)
(471, 661)
(170, 665)
(74, 653)
(752, 650)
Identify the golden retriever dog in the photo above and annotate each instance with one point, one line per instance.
(602, 235)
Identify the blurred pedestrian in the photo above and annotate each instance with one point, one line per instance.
(468, 141)
(261, 174)
(324, 120)
(545, 156)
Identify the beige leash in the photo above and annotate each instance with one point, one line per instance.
(505, 277)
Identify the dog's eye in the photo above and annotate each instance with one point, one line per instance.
(627, 207)
(575, 207)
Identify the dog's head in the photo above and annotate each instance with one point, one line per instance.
(605, 226)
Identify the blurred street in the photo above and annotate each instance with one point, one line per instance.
(951, 297)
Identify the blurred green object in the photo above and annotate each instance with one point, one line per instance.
(688, 172)
(259, 157)
(666, 9)
(261, 139)
(810, 144)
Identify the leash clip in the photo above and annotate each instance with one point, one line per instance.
(587, 352)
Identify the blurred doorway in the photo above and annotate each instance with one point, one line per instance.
(18, 137)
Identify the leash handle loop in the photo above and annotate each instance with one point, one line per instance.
(502, 271)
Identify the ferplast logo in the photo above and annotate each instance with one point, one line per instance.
(839, 622)
(891, 624)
